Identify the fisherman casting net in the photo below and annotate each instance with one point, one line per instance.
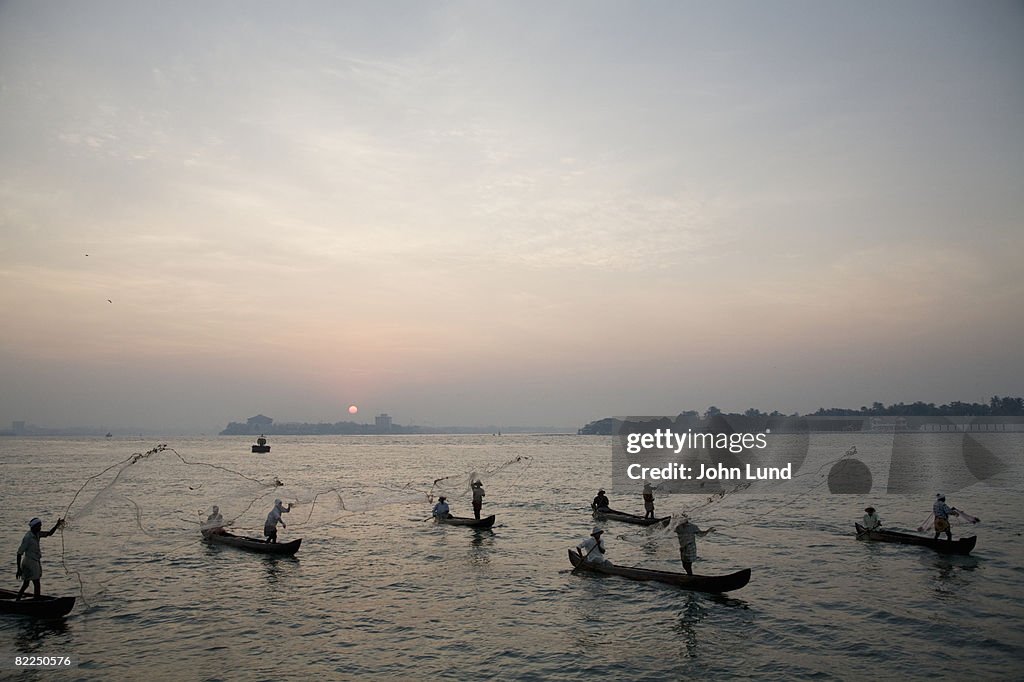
(153, 505)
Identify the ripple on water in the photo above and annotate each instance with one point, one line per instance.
(381, 594)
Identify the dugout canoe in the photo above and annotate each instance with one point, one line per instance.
(254, 544)
(44, 607)
(697, 583)
(963, 546)
(612, 515)
(472, 523)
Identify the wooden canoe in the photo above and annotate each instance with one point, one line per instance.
(612, 515)
(697, 583)
(261, 448)
(254, 544)
(44, 607)
(963, 546)
(486, 522)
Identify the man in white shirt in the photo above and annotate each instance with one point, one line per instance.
(30, 556)
(871, 520)
(214, 522)
(592, 549)
(441, 509)
(273, 518)
(478, 498)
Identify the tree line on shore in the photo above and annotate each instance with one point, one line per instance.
(996, 407)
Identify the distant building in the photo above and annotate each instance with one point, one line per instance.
(252, 426)
(383, 422)
(18, 428)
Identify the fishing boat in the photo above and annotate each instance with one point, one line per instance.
(254, 544)
(472, 523)
(261, 445)
(697, 583)
(963, 546)
(612, 515)
(43, 607)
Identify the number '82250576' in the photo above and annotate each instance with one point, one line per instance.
(43, 662)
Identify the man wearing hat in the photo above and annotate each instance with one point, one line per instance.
(273, 518)
(478, 497)
(942, 512)
(687, 534)
(441, 509)
(871, 520)
(30, 557)
(592, 549)
(601, 502)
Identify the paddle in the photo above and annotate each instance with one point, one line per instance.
(584, 556)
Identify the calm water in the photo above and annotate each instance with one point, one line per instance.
(377, 592)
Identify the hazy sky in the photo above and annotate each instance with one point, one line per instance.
(518, 213)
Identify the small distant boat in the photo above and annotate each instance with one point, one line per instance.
(612, 515)
(473, 523)
(109, 435)
(963, 546)
(697, 583)
(254, 544)
(261, 445)
(44, 607)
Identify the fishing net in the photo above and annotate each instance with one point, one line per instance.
(153, 505)
(957, 518)
(502, 477)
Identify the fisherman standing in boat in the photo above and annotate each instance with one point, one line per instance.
(30, 556)
(478, 497)
(687, 533)
(441, 509)
(871, 520)
(273, 518)
(592, 549)
(942, 512)
(601, 502)
(649, 500)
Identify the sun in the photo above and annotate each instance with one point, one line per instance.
(352, 409)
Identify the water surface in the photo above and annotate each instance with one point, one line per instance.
(375, 591)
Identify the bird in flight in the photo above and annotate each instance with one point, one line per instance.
(109, 301)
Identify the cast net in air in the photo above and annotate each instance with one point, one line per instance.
(154, 505)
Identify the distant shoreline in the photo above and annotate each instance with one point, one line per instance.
(85, 432)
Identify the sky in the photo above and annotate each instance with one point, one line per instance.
(512, 213)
